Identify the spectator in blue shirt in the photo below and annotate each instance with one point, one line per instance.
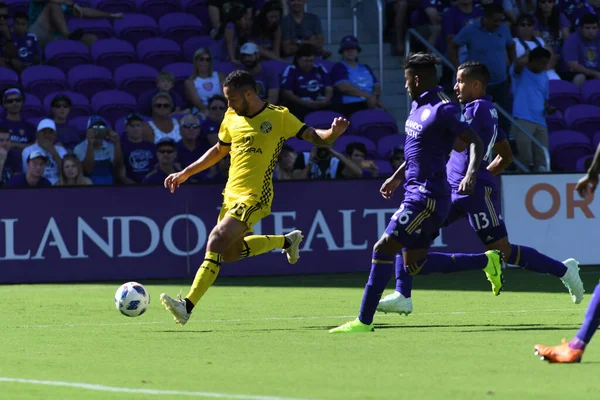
(306, 86)
(356, 87)
(28, 50)
(489, 41)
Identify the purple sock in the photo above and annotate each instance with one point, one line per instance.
(590, 323)
(448, 263)
(382, 268)
(403, 279)
(533, 260)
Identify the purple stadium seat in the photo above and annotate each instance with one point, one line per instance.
(326, 63)
(226, 67)
(43, 79)
(158, 52)
(194, 43)
(596, 140)
(198, 8)
(563, 94)
(80, 104)
(113, 104)
(385, 168)
(135, 78)
(65, 54)
(102, 27)
(158, 8)
(373, 124)
(584, 118)
(8, 78)
(34, 121)
(32, 107)
(112, 53)
(181, 71)
(276, 66)
(136, 27)
(90, 79)
(580, 165)
(320, 119)
(17, 5)
(298, 145)
(590, 92)
(386, 144)
(114, 6)
(556, 121)
(180, 26)
(341, 143)
(566, 147)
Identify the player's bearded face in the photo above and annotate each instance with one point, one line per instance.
(237, 101)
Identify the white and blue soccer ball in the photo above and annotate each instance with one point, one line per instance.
(132, 299)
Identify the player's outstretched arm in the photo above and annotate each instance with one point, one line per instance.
(323, 137)
(207, 160)
(589, 182)
(475, 156)
(503, 158)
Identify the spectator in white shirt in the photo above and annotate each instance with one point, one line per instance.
(46, 137)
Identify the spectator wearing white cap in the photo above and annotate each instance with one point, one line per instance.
(100, 154)
(45, 143)
(37, 162)
(267, 81)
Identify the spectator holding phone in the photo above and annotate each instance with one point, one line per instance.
(100, 154)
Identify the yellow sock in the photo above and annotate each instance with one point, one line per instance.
(260, 244)
(205, 277)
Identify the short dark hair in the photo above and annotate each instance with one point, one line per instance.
(539, 53)
(240, 79)
(588, 19)
(356, 146)
(476, 70)
(21, 15)
(422, 63)
(525, 18)
(493, 8)
(217, 97)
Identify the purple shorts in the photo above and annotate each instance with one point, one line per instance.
(417, 222)
(483, 209)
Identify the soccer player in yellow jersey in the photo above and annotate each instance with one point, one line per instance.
(253, 132)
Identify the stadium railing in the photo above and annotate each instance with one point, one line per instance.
(414, 34)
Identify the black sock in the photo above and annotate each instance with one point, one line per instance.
(189, 306)
(287, 243)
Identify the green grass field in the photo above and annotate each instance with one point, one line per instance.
(266, 338)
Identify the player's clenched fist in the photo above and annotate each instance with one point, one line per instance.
(587, 185)
(339, 126)
(174, 180)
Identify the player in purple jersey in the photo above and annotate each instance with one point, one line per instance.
(573, 351)
(482, 207)
(432, 128)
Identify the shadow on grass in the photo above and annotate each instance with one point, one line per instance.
(492, 327)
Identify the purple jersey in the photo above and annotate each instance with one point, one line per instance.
(431, 129)
(20, 131)
(20, 180)
(186, 156)
(482, 117)
(139, 158)
(306, 85)
(27, 48)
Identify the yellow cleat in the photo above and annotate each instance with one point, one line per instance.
(353, 327)
(494, 270)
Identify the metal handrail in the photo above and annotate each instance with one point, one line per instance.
(447, 63)
(379, 32)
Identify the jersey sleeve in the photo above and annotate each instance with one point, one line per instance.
(450, 118)
(481, 118)
(224, 135)
(292, 126)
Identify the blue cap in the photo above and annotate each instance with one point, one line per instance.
(96, 120)
(349, 42)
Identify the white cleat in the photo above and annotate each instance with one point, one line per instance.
(293, 251)
(175, 307)
(572, 280)
(395, 303)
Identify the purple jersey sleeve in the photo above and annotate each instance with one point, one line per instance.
(501, 134)
(339, 74)
(325, 76)
(450, 118)
(563, 21)
(571, 48)
(288, 79)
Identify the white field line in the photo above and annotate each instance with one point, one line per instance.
(307, 318)
(113, 389)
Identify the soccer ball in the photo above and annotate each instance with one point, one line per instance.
(132, 299)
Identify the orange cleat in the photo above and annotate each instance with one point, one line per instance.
(558, 354)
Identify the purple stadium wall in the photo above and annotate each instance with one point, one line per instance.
(126, 233)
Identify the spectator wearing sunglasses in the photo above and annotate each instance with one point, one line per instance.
(217, 105)
(139, 155)
(204, 83)
(162, 125)
(22, 134)
(527, 41)
(192, 146)
(166, 153)
(67, 135)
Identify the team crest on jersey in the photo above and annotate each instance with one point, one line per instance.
(266, 127)
(425, 114)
